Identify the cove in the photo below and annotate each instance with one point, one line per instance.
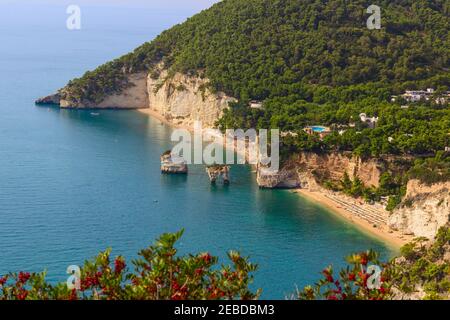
(73, 183)
(101, 187)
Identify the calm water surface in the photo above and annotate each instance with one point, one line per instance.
(73, 183)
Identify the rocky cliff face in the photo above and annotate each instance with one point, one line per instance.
(180, 99)
(303, 170)
(424, 210)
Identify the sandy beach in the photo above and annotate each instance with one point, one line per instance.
(158, 116)
(382, 232)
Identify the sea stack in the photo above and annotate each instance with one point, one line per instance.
(219, 171)
(171, 164)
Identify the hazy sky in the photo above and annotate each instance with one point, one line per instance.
(38, 13)
(200, 4)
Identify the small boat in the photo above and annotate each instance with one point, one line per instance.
(95, 114)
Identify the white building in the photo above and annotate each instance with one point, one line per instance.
(414, 96)
(417, 95)
(255, 104)
(372, 122)
(425, 95)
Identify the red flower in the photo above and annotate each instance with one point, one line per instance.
(3, 280)
(328, 275)
(119, 265)
(364, 259)
(22, 295)
(175, 285)
(384, 290)
(332, 297)
(351, 277)
(90, 280)
(207, 258)
(24, 277)
(73, 295)
(199, 271)
(364, 277)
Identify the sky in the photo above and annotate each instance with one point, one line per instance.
(117, 26)
(156, 4)
(16, 14)
(11, 10)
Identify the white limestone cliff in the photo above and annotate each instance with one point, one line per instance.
(180, 99)
(424, 210)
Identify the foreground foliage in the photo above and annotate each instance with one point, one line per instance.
(351, 283)
(425, 267)
(159, 274)
(422, 272)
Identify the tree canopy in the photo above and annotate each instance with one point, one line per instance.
(259, 49)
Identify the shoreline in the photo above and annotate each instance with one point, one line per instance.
(156, 115)
(390, 237)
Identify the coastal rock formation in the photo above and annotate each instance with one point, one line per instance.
(180, 99)
(172, 164)
(133, 97)
(286, 177)
(219, 171)
(424, 210)
(51, 99)
(304, 169)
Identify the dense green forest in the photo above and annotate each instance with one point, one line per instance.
(311, 62)
(259, 49)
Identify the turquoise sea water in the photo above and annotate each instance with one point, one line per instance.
(73, 183)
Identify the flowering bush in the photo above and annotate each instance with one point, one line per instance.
(161, 274)
(421, 272)
(158, 274)
(355, 282)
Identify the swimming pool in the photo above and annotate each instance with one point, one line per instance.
(318, 128)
